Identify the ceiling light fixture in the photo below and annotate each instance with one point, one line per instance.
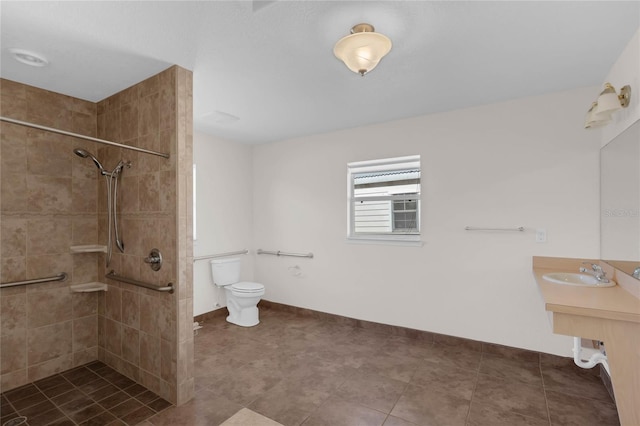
(362, 49)
(609, 101)
(29, 58)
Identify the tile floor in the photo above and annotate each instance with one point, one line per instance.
(90, 395)
(301, 370)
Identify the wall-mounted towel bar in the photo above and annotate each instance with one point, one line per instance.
(474, 228)
(112, 275)
(60, 277)
(282, 253)
(79, 136)
(229, 253)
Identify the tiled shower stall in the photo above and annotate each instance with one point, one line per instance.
(52, 199)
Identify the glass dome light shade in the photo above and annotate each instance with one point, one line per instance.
(608, 101)
(593, 119)
(362, 51)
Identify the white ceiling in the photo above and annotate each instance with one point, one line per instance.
(271, 63)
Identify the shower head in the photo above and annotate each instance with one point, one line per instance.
(86, 154)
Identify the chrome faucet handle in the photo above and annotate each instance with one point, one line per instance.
(596, 271)
(154, 260)
(636, 272)
(594, 266)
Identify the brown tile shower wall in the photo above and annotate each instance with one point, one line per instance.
(48, 202)
(184, 198)
(142, 333)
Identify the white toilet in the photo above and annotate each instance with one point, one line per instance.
(242, 296)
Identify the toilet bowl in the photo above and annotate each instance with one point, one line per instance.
(242, 296)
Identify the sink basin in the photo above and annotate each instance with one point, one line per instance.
(581, 280)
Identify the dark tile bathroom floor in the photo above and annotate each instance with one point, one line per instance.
(92, 395)
(300, 370)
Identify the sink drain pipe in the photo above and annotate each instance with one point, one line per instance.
(595, 357)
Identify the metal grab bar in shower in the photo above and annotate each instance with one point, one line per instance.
(113, 276)
(79, 136)
(213, 256)
(282, 253)
(60, 277)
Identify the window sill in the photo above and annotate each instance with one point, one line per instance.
(396, 240)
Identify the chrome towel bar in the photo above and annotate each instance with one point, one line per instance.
(282, 253)
(112, 275)
(213, 256)
(60, 277)
(473, 228)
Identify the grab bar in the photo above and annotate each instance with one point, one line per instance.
(60, 277)
(112, 275)
(282, 253)
(79, 136)
(213, 256)
(473, 228)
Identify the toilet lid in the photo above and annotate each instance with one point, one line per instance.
(247, 287)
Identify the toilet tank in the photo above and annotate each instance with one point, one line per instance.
(225, 271)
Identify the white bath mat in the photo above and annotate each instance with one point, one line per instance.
(247, 417)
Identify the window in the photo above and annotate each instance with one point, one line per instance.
(384, 199)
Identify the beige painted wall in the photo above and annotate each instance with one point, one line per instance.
(526, 162)
(626, 70)
(224, 180)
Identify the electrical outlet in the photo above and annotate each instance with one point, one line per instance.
(541, 235)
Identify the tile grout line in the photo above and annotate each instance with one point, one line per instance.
(544, 390)
(398, 398)
(475, 386)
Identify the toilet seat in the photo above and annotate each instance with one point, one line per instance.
(247, 287)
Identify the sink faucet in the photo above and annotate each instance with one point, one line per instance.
(596, 271)
(636, 272)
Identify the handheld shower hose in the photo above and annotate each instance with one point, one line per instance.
(111, 179)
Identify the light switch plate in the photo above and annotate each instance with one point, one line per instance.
(541, 235)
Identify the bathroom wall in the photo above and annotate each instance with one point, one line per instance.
(145, 334)
(527, 162)
(626, 70)
(48, 202)
(224, 213)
